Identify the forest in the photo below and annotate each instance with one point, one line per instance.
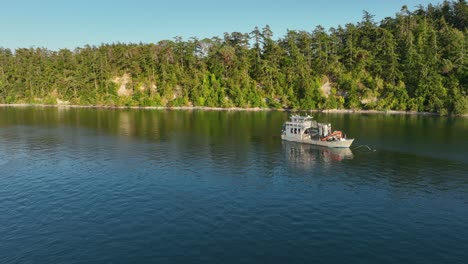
(414, 61)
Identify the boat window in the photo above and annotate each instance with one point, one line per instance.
(291, 130)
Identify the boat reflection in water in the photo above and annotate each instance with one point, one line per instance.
(307, 156)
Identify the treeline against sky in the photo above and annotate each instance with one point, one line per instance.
(417, 60)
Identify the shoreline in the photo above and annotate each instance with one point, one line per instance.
(206, 108)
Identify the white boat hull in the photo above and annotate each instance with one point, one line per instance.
(331, 144)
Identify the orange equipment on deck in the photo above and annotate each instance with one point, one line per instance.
(336, 134)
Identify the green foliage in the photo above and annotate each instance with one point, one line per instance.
(459, 103)
(415, 61)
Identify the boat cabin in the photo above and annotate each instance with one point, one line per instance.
(298, 125)
(305, 126)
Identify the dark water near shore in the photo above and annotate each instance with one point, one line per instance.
(162, 186)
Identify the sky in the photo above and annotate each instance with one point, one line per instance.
(56, 24)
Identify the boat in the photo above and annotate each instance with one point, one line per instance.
(304, 129)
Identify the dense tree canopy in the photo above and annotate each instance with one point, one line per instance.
(417, 60)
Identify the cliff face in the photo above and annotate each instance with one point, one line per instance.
(326, 89)
(122, 84)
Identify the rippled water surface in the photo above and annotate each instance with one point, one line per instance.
(173, 186)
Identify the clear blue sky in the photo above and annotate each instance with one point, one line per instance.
(56, 24)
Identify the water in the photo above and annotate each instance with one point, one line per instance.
(167, 186)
